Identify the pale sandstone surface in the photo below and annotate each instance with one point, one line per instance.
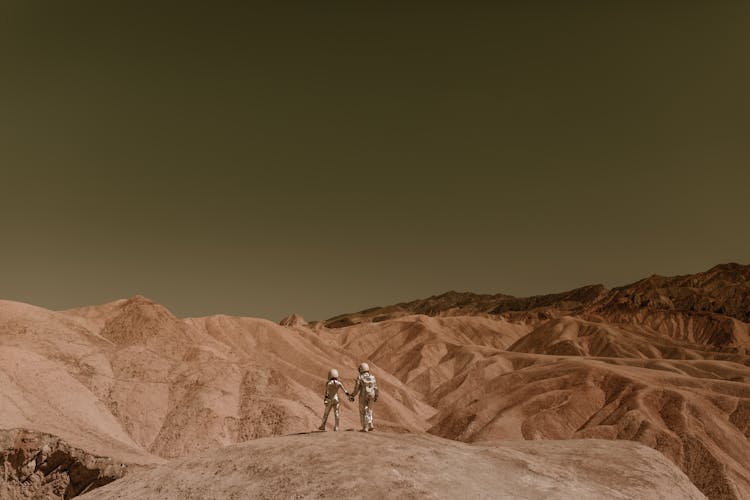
(385, 465)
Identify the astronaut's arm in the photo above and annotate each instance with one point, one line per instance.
(376, 391)
(355, 390)
(343, 389)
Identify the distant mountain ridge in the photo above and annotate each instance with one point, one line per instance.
(724, 290)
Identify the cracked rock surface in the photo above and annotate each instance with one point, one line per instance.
(42, 466)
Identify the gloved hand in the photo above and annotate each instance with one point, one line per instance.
(326, 401)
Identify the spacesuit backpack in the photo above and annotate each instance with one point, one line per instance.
(371, 386)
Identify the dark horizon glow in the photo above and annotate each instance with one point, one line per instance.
(322, 159)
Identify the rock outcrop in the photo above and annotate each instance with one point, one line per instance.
(385, 465)
(293, 320)
(41, 466)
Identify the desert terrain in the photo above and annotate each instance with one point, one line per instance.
(639, 391)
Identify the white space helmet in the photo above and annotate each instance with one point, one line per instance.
(364, 367)
(333, 373)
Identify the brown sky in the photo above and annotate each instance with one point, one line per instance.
(329, 156)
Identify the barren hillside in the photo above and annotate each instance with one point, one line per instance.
(663, 362)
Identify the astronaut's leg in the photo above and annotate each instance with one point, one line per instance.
(362, 412)
(368, 414)
(336, 415)
(325, 417)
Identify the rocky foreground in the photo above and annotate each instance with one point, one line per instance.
(41, 466)
(385, 465)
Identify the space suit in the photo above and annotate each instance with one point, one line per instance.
(331, 399)
(367, 388)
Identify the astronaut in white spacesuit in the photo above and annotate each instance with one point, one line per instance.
(367, 388)
(331, 399)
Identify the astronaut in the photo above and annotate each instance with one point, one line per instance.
(367, 388)
(331, 399)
